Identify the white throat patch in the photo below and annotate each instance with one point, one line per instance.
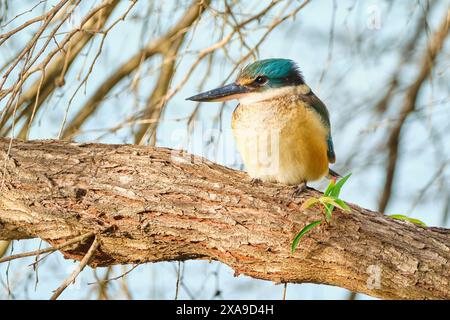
(254, 97)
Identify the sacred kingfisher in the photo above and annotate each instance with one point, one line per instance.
(282, 129)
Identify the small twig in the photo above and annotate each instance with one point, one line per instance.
(78, 269)
(36, 266)
(115, 278)
(125, 289)
(52, 249)
(178, 280)
(284, 291)
(352, 295)
(102, 284)
(434, 47)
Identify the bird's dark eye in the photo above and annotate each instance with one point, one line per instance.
(261, 80)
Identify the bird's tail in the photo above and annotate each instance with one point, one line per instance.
(333, 174)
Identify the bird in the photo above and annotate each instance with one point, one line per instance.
(282, 129)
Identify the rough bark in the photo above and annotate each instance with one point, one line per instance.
(154, 204)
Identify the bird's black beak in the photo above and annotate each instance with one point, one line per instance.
(228, 92)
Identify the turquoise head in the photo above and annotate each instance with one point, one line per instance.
(260, 76)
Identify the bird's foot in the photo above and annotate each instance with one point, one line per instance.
(256, 181)
(299, 189)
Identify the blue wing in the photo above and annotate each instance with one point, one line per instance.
(330, 150)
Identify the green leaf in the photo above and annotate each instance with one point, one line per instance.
(324, 199)
(337, 188)
(342, 205)
(329, 188)
(405, 218)
(328, 204)
(309, 203)
(328, 211)
(302, 233)
(333, 202)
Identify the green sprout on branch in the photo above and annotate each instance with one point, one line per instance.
(328, 201)
(406, 218)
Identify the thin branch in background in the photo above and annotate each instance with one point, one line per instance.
(8, 285)
(30, 59)
(49, 16)
(51, 249)
(155, 102)
(25, 73)
(236, 32)
(7, 35)
(116, 278)
(36, 267)
(53, 76)
(275, 23)
(446, 210)
(220, 44)
(200, 87)
(162, 99)
(26, 127)
(91, 67)
(124, 284)
(217, 291)
(330, 45)
(383, 103)
(352, 295)
(83, 263)
(182, 284)
(187, 290)
(153, 48)
(235, 24)
(177, 285)
(434, 46)
(18, 15)
(103, 284)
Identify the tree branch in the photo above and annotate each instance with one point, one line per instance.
(53, 74)
(435, 45)
(46, 250)
(156, 101)
(159, 46)
(154, 204)
(83, 263)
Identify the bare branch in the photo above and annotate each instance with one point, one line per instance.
(434, 47)
(83, 263)
(161, 45)
(51, 249)
(53, 74)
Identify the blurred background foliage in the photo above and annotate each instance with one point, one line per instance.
(118, 72)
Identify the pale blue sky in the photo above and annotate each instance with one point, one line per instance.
(353, 76)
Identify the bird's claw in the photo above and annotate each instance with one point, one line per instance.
(256, 181)
(299, 189)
